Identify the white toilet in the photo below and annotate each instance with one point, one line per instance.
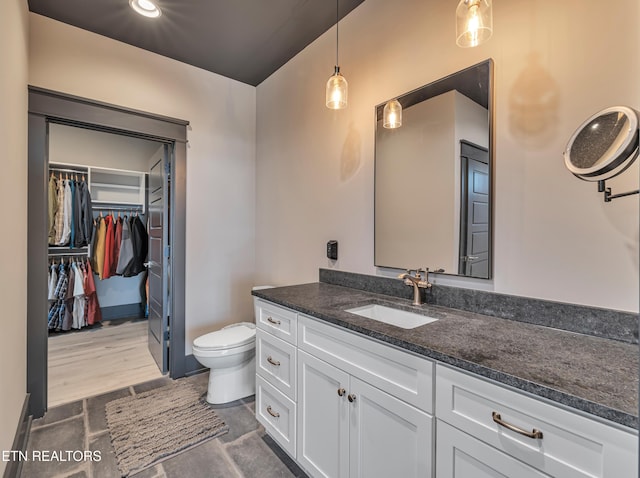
(230, 354)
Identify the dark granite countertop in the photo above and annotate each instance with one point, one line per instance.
(598, 376)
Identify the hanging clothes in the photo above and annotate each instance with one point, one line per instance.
(80, 239)
(139, 239)
(52, 207)
(86, 208)
(94, 315)
(108, 248)
(52, 281)
(59, 217)
(79, 301)
(57, 309)
(99, 249)
(72, 224)
(117, 241)
(66, 214)
(126, 248)
(67, 320)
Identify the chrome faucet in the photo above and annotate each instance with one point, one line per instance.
(418, 282)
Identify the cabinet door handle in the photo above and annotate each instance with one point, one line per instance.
(272, 413)
(275, 322)
(351, 397)
(341, 392)
(532, 434)
(273, 362)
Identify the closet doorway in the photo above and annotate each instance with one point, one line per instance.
(99, 334)
(114, 187)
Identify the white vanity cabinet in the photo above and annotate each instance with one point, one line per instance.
(276, 372)
(348, 427)
(345, 405)
(490, 430)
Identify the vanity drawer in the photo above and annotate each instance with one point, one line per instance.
(572, 445)
(401, 374)
(276, 362)
(277, 414)
(277, 320)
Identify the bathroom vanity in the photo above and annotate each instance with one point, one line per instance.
(464, 395)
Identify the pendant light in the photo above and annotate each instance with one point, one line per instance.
(336, 94)
(392, 114)
(474, 22)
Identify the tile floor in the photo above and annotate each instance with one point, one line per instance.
(244, 452)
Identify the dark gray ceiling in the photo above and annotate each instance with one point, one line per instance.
(246, 40)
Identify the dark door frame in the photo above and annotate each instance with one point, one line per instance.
(47, 106)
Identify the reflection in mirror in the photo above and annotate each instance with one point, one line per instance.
(433, 178)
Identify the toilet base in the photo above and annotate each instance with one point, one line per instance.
(233, 383)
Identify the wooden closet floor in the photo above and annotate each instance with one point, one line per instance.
(94, 361)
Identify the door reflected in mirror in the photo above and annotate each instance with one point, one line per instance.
(434, 178)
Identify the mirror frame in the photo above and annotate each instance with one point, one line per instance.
(425, 92)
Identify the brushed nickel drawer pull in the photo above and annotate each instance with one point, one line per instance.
(275, 322)
(341, 392)
(532, 434)
(273, 362)
(272, 413)
(351, 397)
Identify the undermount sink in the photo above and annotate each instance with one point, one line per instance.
(389, 315)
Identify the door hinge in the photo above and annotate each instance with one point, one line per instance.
(167, 251)
(167, 335)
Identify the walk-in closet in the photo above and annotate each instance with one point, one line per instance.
(97, 195)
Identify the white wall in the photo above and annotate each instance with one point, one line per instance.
(556, 63)
(13, 192)
(220, 154)
(71, 145)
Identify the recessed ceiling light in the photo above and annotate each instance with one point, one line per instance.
(146, 8)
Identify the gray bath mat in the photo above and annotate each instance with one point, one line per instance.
(153, 426)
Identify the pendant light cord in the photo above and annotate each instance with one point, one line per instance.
(337, 20)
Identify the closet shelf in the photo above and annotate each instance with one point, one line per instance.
(114, 186)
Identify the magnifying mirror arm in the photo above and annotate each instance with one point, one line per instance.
(607, 192)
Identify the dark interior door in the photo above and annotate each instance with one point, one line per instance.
(474, 217)
(158, 260)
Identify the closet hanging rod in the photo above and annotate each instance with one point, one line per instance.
(67, 170)
(118, 207)
(60, 254)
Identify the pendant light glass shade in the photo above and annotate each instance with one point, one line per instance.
(474, 22)
(392, 114)
(337, 91)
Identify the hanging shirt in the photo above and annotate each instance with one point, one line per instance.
(52, 208)
(140, 246)
(108, 248)
(53, 280)
(87, 211)
(66, 215)
(126, 248)
(116, 246)
(57, 310)
(80, 239)
(78, 298)
(72, 223)
(94, 315)
(67, 320)
(99, 250)
(59, 219)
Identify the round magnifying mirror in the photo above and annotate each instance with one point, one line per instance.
(604, 145)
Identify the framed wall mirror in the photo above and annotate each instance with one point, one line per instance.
(434, 177)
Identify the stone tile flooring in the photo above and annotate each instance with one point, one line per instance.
(244, 452)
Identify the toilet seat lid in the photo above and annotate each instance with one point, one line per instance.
(233, 335)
